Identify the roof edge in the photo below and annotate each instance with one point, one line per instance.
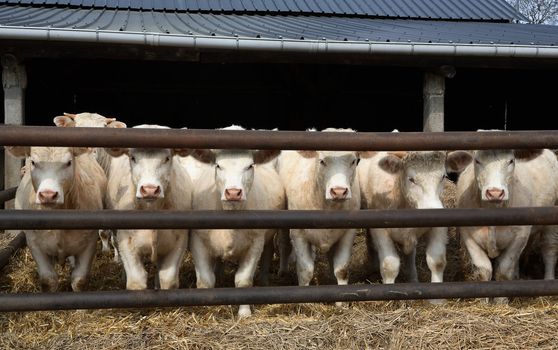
(199, 42)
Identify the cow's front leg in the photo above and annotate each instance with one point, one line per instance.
(342, 257)
(508, 261)
(304, 257)
(387, 255)
(244, 276)
(45, 266)
(136, 276)
(204, 263)
(170, 264)
(80, 273)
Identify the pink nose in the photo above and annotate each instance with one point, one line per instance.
(495, 194)
(47, 196)
(233, 194)
(339, 192)
(150, 191)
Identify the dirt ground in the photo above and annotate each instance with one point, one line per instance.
(524, 323)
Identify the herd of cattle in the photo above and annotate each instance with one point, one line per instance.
(181, 179)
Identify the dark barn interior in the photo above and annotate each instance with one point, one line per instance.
(286, 96)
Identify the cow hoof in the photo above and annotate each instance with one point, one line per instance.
(244, 311)
(79, 284)
(501, 301)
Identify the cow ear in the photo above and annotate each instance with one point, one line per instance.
(206, 156)
(308, 154)
(526, 155)
(19, 151)
(64, 121)
(116, 124)
(367, 154)
(78, 151)
(264, 156)
(116, 152)
(391, 164)
(457, 161)
(398, 154)
(182, 152)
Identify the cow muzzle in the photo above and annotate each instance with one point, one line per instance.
(150, 192)
(339, 193)
(495, 194)
(48, 197)
(233, 194)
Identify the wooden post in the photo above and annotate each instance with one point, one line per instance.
(14, 82)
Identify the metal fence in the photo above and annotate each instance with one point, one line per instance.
(68, 219)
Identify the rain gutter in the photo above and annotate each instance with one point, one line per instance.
(325, 46)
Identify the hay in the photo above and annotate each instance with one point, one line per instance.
(525, 323)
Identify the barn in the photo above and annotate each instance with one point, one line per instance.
(372, 65)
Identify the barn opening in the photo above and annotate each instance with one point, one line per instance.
(284, 96)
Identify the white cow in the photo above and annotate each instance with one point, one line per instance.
(91, 120)
(316, 180)
(94, 120)
(149, 179)
(405, 180)
(502, 178)
(236, 181)
(60, 178)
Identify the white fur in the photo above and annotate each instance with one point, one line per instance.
(136, 167)
(308, 178)
(417, 183)
(80, 186)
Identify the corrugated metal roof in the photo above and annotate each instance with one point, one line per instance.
(479, 10)
(280, 26)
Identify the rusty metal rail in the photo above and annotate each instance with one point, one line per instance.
(286, 140)
(208, 219)
(8, 194)
(273, 295)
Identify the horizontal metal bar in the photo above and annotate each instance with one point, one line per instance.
(15, 244)
(273, 295)
(8, 194)
(208, 219)
(12, 135)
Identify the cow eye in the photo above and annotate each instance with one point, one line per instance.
(133, 159)
(167, 159)
(217, 166)
(355, 161)
(250, 166)
(512, 161)
(477, 161)
(412, 180)
(322, 162)
(69, 163)
(33, 163)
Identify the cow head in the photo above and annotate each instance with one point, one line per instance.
(234, 170)
(494, 170)
(150, 168)
(52, 171)
(87, 120)
(335, 170)
(421, 176)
